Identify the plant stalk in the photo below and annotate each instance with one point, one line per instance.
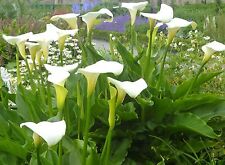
(86, 130)
(60, 153)
(161, 74)
(38, 155)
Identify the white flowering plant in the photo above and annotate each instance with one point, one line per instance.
(115, 107)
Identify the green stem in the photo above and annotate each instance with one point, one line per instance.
(142, 114)
(49, 100)
(89, 37)
(80, 105)
(195, 79)
(30, 75)
(162, 68)
(38, 155)
(18, 69)
(60, 153)
(108, 146)
(148, 56)
(132, 38)
(61, 57)
(86, 130)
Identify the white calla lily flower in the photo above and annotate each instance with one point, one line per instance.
(19, 41)
(56, 69)
(90, 17)
(59, 78)
(51, 132)
(92, 72)
(62, 34)
(70, 18)
(175, 24)
(33, 47)
(211, 48)
(133, 8)
(164, 15)
(133, 89)
(44, 39)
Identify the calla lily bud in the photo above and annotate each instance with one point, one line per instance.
(112, 107)
(37, 140)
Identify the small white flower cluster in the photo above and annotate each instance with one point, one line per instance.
(8, 80)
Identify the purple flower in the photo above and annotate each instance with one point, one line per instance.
(76, 8)
(119, 23)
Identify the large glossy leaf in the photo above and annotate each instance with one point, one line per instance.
(30, 105)
(120, 151)
(191, 122)
(128, 59)
(195, 101)
(208, 111)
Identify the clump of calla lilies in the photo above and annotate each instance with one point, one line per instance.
(86, 81)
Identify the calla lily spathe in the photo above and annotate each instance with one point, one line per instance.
(51, 132)
(19, 41)
(70, 18)
(164, 15)
(62, 34)
(58, 78)
(92, 72)
(211, 48)
(33, 49)
(44, 40)
(133, 89)
(56, 69)
(90, 17)
(133, 8)
(175, 24)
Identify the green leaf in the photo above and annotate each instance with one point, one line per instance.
(127, 112)
(161, 108)
(208, 111)
(12, 148)
(128, 59)
(204, 77)
(194, 101)
(73, 151)
(193, 123)
(182, 89)
(30, 105)
(120, 151)
(92, 54)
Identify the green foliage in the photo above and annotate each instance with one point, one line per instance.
(173, 121)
